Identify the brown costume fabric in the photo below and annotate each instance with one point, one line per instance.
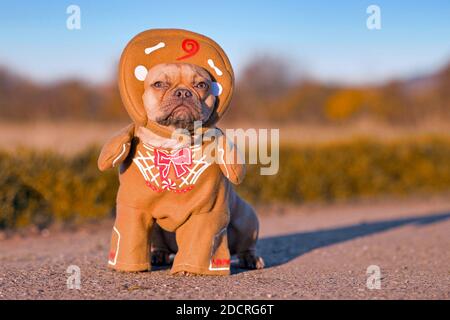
(185, 190)
(156, 46)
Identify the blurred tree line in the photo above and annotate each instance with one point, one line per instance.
(21, 99)
(265, 91)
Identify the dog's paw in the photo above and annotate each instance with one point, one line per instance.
(160, 258)
(249, 260)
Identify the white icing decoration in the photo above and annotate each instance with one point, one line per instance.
(156, 47)
(124, 148)
(113, 263)
(216, 88)
(217, 70)
(140, 72)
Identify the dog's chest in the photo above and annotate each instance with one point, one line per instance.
(175, 171)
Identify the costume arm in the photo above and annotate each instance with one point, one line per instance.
(230, 159)
(116, 149)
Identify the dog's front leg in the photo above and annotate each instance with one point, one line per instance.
(203, 245)
(130, 242)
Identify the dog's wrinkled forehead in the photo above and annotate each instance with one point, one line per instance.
(176, 72)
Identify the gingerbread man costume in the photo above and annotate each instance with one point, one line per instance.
(184, 190)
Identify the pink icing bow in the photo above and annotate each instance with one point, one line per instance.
(180, 160)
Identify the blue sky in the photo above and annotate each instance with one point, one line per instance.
(325, 39)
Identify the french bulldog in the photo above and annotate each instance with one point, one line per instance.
(176, 95)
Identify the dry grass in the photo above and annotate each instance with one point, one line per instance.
(62, 137)
(73, 137)
(304, 134)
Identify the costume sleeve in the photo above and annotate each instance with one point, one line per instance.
(116, 149)
(230, 159)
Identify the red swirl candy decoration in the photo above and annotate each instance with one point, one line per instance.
(190, 46)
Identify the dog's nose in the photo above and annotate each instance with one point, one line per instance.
(183, 93)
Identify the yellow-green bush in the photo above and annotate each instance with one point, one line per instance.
(359, 168)
(40, 188)
(53, 188)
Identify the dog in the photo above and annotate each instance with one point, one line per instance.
(176, 96)
(174, 199)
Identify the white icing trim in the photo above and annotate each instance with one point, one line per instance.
(217, 70)
(154, 48)
(216, 88)
(113, 263)
(211, 268)
(140, 72)
(124, 148)
(222, 152)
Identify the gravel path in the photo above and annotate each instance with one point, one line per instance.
(311, 253)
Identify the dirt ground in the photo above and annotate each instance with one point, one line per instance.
(314, 252)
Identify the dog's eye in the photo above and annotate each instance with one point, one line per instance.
(159, 84)
(202, 85)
